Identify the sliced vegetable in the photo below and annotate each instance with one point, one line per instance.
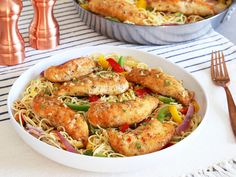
(146, 122)
(127, 68)
(65, 142)
(88, 152)
(162, 113)
(196, 106)
(42, 73)
(124, 127)
(165, 99)
(89, 145)
(175, 115)
(141, 92)
(78, 107)
(141, 4)
(184, 110)
(121, 61)
(93, 129)
(99, 155)
(115, 66)
(84, 6)
(103, 62)
(20, 119)
(186, 122)
(33, 130)
(93, 98)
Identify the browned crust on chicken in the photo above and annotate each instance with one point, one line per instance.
(192, 7)
(149, 137)
(161, 83)
(59, 115)
(107, 114)
(94, 84)
(70, 70)
(120, 9)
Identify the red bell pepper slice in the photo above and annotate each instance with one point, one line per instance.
(141, 92)
(183, 110)
(115, 66)
(93, 98)
(124, 127)
(17, 117)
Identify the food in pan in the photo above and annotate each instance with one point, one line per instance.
(156, 12)
(114, 106)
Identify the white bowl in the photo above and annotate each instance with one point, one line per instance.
(99, 164)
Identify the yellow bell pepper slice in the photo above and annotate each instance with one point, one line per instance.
(175, 115)
(124, 73)
(84, 6)
(141, 4)
(196, 106)
(103, 62)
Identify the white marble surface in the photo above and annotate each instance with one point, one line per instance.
(228, 28)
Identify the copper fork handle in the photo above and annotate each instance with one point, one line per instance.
(232, 109)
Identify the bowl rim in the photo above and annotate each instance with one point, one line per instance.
(92, 50)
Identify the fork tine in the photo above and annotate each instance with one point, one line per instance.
(220, 64)
(224, 65)
(216, 65)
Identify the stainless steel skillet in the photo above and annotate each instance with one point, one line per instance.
(158, 35)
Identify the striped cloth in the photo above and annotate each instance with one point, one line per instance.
(194, 56)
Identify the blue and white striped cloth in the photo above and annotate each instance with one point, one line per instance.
(194, 56)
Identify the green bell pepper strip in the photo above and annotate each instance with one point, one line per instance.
(165, 99)
(78, 107)
(162, 113)
(88, 152)
(99, 155)
(121, 61)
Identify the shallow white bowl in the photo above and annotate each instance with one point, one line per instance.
(99, 164)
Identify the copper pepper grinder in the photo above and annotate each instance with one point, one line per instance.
(12, 50)
(44, 29)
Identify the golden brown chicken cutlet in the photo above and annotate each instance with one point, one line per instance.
(120, 9)
(70, 70)
(193, 7)
(107, 114)
(160, 83)
(149, 137)
(105, 83)
(50, 107)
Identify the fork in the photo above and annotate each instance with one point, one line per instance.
(220, 77)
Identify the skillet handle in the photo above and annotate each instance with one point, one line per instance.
(229, 12)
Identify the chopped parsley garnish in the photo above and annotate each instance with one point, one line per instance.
(42, 106)
(138, 145)
(167, 82)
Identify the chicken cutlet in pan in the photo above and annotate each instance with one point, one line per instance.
(192, 7)
(148, 137)
(50, 107)
(160, 83)
(101, 83)
(120, 9)
(105, 114)
(70, 70)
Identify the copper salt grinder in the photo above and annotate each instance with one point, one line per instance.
(44, 29)
(12, 50)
